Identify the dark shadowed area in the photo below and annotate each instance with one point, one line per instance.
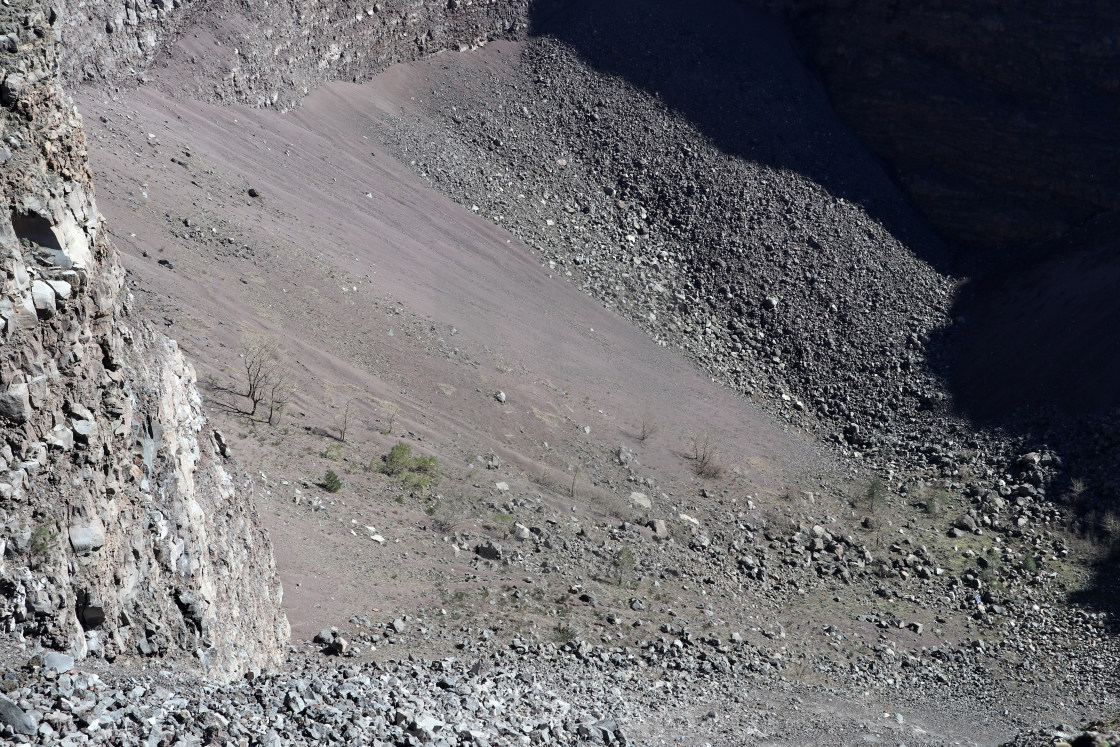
(1042, 330)
(738, 76)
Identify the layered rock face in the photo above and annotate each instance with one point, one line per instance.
(123, 528)
(999, 118)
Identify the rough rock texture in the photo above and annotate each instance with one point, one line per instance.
(121, 529)
(277, 52)
(998, 117)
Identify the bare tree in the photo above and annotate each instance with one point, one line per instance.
(392, 409)
(260, 363)
(280, 394)
(647, 428)
(575, 476)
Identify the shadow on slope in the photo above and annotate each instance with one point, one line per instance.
(1041, 331)
(736, 75)
(1035, 352)
(1037, 355)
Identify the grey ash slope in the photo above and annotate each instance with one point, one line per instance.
(766, 613)
(778, 288)
(749, 570)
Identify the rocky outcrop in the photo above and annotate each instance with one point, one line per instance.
(272, 54)
(123, 529)
(999, 118)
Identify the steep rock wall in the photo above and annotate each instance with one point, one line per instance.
(123, 529)
(999, 118)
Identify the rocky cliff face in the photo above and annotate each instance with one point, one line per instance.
(123, 528)
(273, 54)
(999, 118)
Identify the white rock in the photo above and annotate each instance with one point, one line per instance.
(44, 298)
(641, 500)
(61, 288)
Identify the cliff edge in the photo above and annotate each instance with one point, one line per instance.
(124, 528)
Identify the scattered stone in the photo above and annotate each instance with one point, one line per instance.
(15, 403)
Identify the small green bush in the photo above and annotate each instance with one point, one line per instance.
(333, 452)
(397, 461)
(43, 539)
(415, 472)
(936, 501)
(331, 482)
(623, 562)
(876, 494)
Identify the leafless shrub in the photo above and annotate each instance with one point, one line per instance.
(392, 409)
(575, 476)
(280, 393)
(705, 456)
(343, 422)
(648, 428)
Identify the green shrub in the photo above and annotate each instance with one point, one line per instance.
(43, 539)
(397, 461)
(876, 494)
(623, 562)
(415, 472)
(333, 452)
(936, 500)
(331, 482)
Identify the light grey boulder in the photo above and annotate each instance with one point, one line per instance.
(15, 717)
(86, 539)
(15, 404)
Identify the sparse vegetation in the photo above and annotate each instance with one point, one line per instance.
(333, 452)
(280, 393)
(875, 495)
(343, 422)
(563, 633)
(647, 429)
(43, 538)
(415, 472)
(623, 562)
(331, 482)
(935, 502)
(259, 361)
(391, 411)
(705, 456)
